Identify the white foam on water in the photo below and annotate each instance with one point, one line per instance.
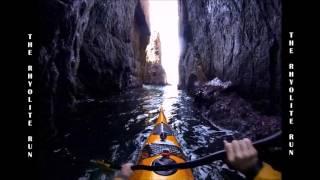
(217, 82)
(152, 119)
(114, 150)
(153, 111)
(142, 116)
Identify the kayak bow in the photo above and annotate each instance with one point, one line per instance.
(161, 148)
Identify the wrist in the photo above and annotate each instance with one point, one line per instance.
(252, 172)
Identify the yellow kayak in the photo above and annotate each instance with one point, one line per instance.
(161, 148)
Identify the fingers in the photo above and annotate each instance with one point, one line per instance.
(237, 149)
(248, 143)
(229, 150)
(244, 149)
(126, 169)
(251, 150)
(127, 166)
(241, 154)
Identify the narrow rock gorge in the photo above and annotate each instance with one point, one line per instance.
(98, 63)
(95, 48)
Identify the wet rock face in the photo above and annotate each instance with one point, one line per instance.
(62, 25)
(110, 53)
(154, 73)
(88, 48)
(232, 40)
(226, 109)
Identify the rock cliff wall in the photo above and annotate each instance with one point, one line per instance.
(88, 48)
(238, 41)
(154, 72)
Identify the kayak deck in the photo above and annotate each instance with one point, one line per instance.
(161, 148)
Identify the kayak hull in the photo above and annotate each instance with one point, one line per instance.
(175, 155)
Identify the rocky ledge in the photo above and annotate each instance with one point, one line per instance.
(223, 107)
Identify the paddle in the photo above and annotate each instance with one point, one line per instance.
(219, 155)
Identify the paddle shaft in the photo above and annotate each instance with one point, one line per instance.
(219, 155)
